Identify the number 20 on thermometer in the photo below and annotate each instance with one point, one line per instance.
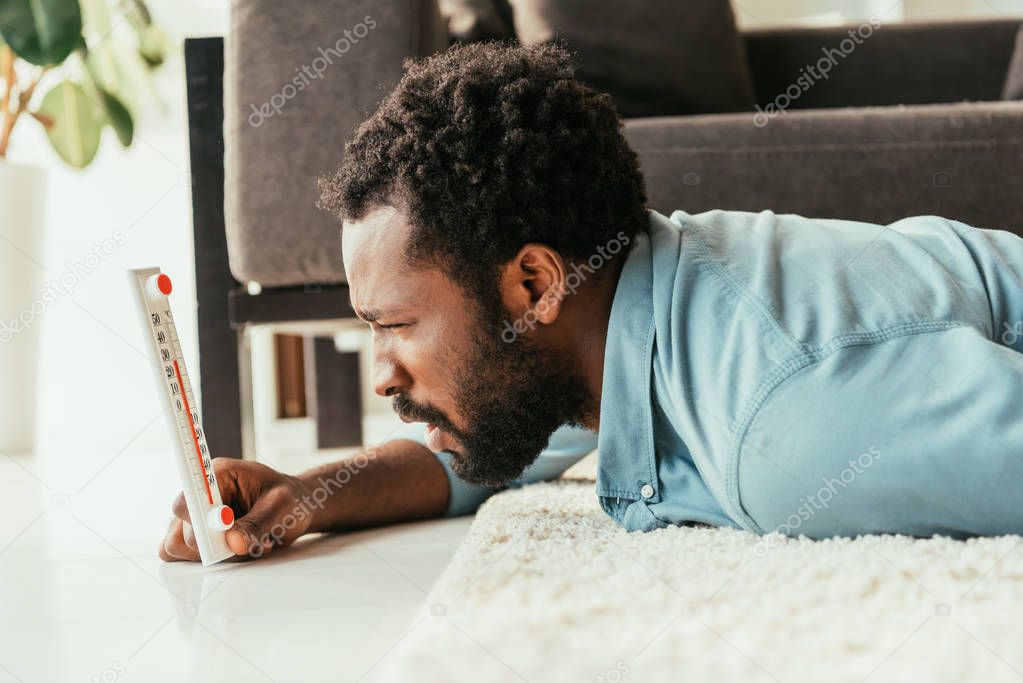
(210, 517)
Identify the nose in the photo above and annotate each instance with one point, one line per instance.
(389, 377)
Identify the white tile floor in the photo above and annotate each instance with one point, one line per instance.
(83, 596)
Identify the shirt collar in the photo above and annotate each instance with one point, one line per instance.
(625, 438)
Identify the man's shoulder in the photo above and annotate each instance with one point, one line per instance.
(723, 230)
(821, 279)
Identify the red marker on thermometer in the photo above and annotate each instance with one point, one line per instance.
(210, 517)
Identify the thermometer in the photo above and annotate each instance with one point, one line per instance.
(209, 516)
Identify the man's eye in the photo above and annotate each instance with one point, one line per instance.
(395, 325)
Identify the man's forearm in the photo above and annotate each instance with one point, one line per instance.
(398, 481)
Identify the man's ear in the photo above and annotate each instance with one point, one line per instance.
(533, 282)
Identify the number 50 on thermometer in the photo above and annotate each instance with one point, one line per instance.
(210, 517)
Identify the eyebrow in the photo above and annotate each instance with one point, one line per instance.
(371, 315)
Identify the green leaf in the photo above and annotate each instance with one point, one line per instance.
(152, 45)
(77, 123)
(118, 116)
(41, 32)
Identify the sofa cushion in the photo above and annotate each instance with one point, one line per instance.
(297, 84)
(654, 57)
(911, 63)
(871, 164)
(1013, 89)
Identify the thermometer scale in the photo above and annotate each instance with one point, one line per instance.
(209, 516)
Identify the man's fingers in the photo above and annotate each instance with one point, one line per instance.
(180, 509)
(164, 555)
(261, 498)
(189, 533)
(258, 530)
(174, 547)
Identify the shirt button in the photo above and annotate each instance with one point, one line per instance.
(647, 491)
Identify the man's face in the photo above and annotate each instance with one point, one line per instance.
(493, 405)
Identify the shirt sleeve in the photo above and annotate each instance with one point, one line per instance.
(996, 257)
(568, 445)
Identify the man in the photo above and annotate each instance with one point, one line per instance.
(766, 372)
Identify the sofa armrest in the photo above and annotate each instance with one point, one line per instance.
(882, 64)
(870, 164)
(298, 83)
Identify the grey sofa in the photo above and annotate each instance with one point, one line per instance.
(909, 124)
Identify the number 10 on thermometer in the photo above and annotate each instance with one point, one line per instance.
(210, 517)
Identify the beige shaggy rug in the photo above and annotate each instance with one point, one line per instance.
(547, 588)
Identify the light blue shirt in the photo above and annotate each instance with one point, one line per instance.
(818, 377)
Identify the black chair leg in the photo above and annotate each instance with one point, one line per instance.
(333, 393)
(218, 343)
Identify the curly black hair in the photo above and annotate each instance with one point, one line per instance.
(488, 146)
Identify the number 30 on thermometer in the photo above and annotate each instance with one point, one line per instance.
(210, 517)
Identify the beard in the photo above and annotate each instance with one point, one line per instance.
(513, 396)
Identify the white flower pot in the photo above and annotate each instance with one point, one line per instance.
(22, 190)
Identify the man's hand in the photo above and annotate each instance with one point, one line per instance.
(260, 497)
(398, 481)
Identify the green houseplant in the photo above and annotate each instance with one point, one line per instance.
(38, 37)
